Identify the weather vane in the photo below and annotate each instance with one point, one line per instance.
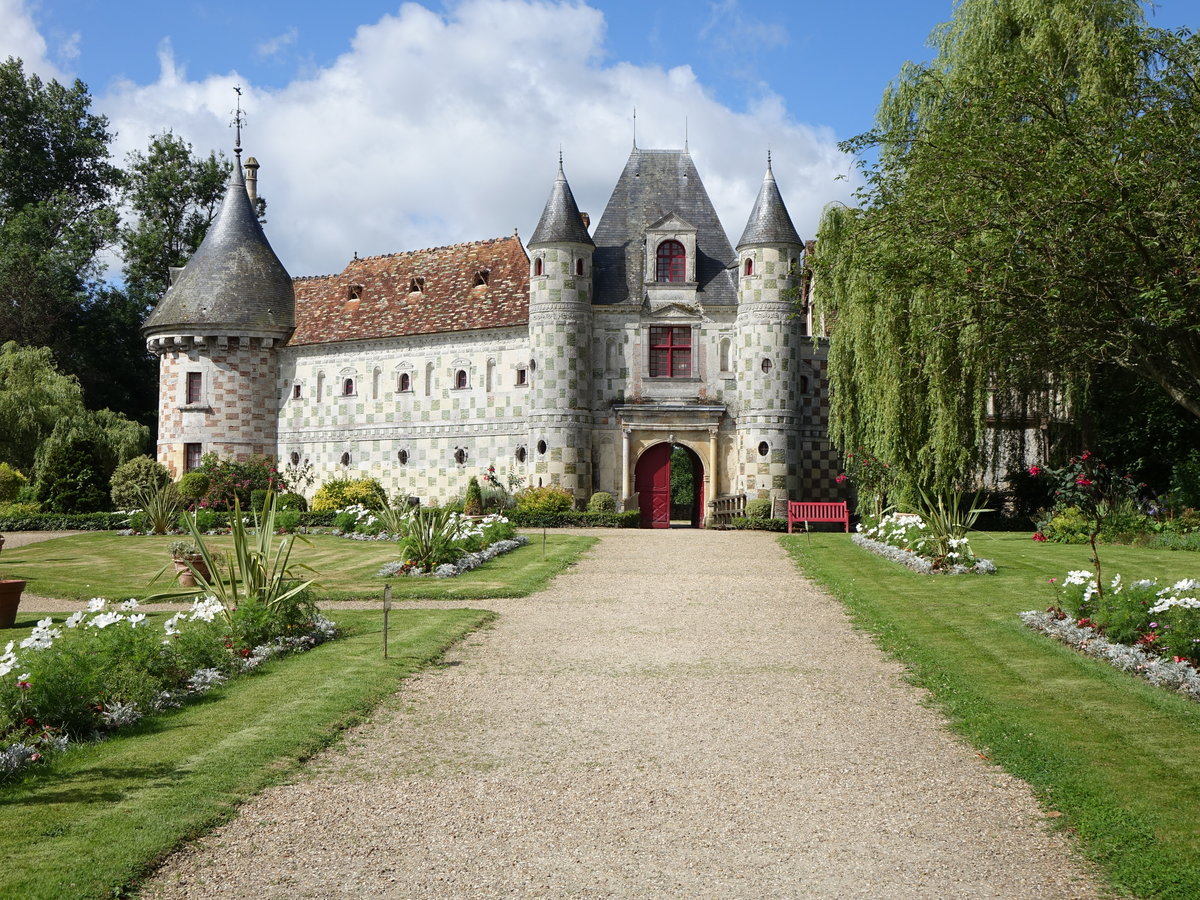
(238, 120)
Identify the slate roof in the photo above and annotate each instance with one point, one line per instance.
(769, 222)
(234, 283)
(561, 221)
(449, 299)
(653, 184)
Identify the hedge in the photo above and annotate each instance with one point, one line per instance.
(46, 521)
(574, 519)
(747, 523)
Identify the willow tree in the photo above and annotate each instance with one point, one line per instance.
(1032, 209)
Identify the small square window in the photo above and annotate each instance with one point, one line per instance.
(195, 381)
(522, 376)
(192, 454)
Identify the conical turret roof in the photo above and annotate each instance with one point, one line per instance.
(769, 220)
(561, 221)
(234, 283)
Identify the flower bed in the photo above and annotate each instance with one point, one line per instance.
(905, 538)
(106, 667)
(465, 563)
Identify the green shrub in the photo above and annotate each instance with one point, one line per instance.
(758, 509)
(139, 521)
(542, 500)
(206, 519)
(294, 502)
(162, 506)
(345, 522)
(601, 502)
(257, 496)
(571, 518)
(193, 486)
(234, 480)
(50, 521)
(73, 474)
(11, 483)
(19, 509)
(339, 493)
(473, 502)
(1067, 526)
(746, 523)
(287, 520)
(1185, 481)
(133, 478)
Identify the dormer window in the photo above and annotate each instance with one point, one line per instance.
(482, 277)
(416, 284)
(355, 292)
(671, 262)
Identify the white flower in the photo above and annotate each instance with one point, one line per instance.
(170, 626)
(96, 604)
(129, 605)
(74, 619)
(105, 619)
(136, 619)
(205, 608)
(1078, 576)
(1116, 583)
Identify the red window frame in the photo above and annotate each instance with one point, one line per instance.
(195, 384)
(672, 262)
(670, 351)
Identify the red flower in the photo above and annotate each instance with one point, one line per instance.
(840, 479)
(1083, 482)
(1035, 471)
(1087, 454)
(1038, 536)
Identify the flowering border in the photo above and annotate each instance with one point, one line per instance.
(922, 565)
(1175, 676)
(466, 563)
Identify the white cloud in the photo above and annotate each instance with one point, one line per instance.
(434, 128)
(278, 44)
(19, 37)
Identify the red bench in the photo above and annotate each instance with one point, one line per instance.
(817, 512)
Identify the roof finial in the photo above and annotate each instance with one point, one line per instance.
(685, 134)
(560, 168)
(768, 157)
(238, 120)
(635, 128)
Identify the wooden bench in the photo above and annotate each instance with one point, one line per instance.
(799, 511)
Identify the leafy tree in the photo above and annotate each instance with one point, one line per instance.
(56, 204)
(174, 196)
(34, 396)
(1032, 212)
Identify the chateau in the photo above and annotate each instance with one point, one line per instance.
(580, 359)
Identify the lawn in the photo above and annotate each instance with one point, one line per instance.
(1118, 758)
(105, 564)
(104, 814)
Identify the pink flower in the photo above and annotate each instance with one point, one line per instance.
(1087, 454)
(1054, 581)
(1039, 537)
(840, 479)
(1035, 471)
(1083, 482)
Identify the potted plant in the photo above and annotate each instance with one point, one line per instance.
(189, 562)
(10, 597)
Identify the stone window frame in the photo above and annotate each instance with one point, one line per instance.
(671, 348)
(539, 266)
(676, 262)
(297, 390)
(193, 388)
(460, 375)
(460, 456)
(521, 375)
(193, 454)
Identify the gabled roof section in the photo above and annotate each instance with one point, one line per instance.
(769, 221)
(234, 283)
(561, 221)
(465, 286)
(654, 184)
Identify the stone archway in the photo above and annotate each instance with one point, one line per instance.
(652, 481)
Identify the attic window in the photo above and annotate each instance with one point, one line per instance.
(672, 262)
(416, 284)
(481, 277)
(355, 292)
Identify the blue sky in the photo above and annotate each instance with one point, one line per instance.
(383, 127)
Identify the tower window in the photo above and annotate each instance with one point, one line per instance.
(764, 448)
(192, 454)
(345, 459)
(579, 267)
(521, 454)
(541, 448)
(670, 351)
(537, 267)
(296, 391)
(672, 262)
(460, 380)
(195, 381)
(749, 267)
(347, 387)
(405, 385)
(522, 376)
(766, 366)
(295, 458)
(804, 384)
(460, 455)
(403, 457)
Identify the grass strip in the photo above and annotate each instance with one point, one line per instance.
(106, 564)
(1118, 758)
(103, 815)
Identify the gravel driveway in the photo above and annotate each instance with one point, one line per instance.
(681, 714)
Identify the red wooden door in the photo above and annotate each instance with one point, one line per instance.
(652, 481)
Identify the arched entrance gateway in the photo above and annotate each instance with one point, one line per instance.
(653, 483)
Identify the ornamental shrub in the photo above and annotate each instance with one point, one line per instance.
(293, 501)
(339, 493)
(234, 480)
(541, 500)
(602, 502)
(11, 483)
(758, 509)
(74, 472)
(473, 502)
(193, 486)
(135, 478)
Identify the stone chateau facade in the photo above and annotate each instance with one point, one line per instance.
(580, 359)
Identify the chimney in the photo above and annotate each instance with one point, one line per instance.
(252, 178)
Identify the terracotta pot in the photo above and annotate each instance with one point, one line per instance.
(184, 574)
(10, 599)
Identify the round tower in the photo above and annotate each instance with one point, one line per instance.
(560, 345)
(771, 335)
(216, 332)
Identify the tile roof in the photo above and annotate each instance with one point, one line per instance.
(449, 299)
(653, 184)
(769, 222)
